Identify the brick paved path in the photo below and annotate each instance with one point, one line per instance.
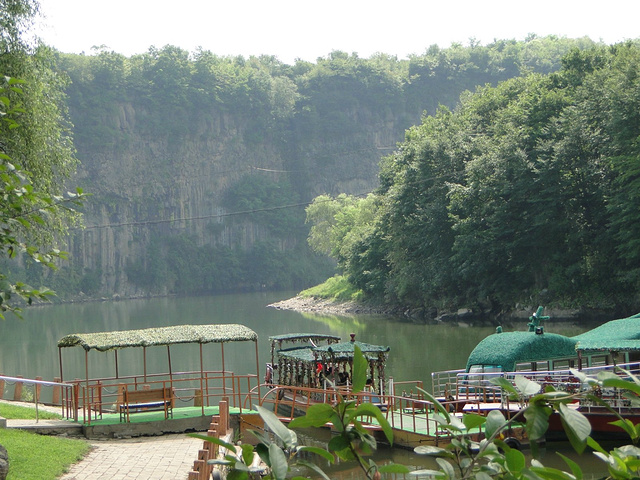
(166, 457)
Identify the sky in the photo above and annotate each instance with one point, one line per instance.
(295, 29)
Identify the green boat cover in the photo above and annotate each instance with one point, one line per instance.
(148, 337)
(509, 348)
(615, 336)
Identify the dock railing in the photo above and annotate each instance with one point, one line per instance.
(408, 412)
(41, 393)
(97, 396)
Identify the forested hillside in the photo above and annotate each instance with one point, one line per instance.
(529, 192)
(200, 166)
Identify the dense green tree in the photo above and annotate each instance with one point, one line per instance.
(36, 153)
(319, 122)
(526, 192)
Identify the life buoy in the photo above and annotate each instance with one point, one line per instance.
(513, 442)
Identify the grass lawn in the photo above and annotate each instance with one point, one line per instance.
(38, 457)
(15, 411)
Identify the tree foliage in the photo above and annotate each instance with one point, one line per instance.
(36, 154)
(316, 127)
(528, 190)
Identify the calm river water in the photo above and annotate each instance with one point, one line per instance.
(29, 347)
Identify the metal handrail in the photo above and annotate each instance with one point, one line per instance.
(62, 390)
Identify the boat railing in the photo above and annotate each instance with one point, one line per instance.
(409, 413)
(478, 386)
(94, 397)
(441, 382)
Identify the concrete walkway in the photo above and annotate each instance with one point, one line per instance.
(165, 457)
(162, 457)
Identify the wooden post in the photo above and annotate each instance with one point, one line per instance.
(17, 392)
(120, 399)
(55, 396)
(38, 390)
(197, 398)
(224, 417)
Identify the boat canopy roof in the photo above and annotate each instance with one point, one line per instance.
(302, 354)
(303, 337)
(336, 351)
(509, 348)
(147, 337)
(621, 335)
(345, 350)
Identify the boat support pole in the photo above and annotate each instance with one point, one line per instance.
(202, 392)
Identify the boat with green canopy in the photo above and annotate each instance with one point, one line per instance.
(323, 361)
(550, 360)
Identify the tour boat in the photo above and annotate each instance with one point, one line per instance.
(551, 360)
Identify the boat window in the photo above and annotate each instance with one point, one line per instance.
(598, 361)
(565, 364)
(476, 371)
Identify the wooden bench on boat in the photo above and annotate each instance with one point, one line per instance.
(158, 399)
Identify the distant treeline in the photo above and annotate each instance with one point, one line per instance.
(305, 102)
(529, 192)
(338, 116)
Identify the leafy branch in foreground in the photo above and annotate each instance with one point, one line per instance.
(24, 211)
(351, 442)
(493, 457)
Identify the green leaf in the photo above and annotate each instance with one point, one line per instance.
(312, 466)
(505, 384)
(263, 452)
(215, 440)
(537, 421)
(515, 460)
(425, 472)
(576, 426)
(473, 420)
(446, 467)
(288, 436)
(436, 404)
(279, 465)
(575, 468)
(247, 453)
(359, 376)
(318, 451)
(237, 475)
(430, 450)
(317, 415)
(495, 422)
(338, 443)
(551, 473)
(628, 426)
(525, 386)
(369, 410)
(610, 379)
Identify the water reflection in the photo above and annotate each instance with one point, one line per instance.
(29, 347)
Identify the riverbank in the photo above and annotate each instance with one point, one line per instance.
(324, 306)
(333, 307)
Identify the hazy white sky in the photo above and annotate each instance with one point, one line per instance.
(293, 29)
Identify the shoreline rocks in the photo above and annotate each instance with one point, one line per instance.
(325, 306)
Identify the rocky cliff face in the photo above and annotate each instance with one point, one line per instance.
(148, 186)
